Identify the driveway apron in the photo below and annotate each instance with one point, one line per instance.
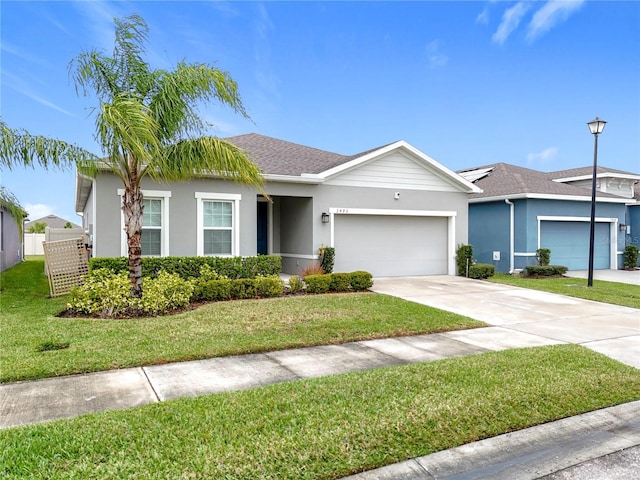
(609, 329)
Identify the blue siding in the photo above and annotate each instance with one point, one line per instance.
(633, 220)
(489, 232)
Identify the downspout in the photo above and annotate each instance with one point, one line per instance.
(511, 233)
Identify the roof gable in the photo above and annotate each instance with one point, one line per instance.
(397, 165)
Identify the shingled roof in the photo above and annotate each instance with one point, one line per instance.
(505, 180)
(279, 157)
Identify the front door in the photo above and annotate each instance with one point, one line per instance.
(262, 245)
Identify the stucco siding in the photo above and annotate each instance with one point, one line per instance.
(10, 241)
(489, 232)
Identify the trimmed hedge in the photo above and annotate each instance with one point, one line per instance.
(361, 280)
(481, 270)
(318, 283)
(340, 282)
(189, 267)
(545, 270)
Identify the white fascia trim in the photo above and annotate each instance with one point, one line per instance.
(545, 196)
(164, 245)
(94, 207)
(235, 230)
(628, 176)
(384, 211)
(554, 218)
(449, 174)
(304, 178)
(524, 254)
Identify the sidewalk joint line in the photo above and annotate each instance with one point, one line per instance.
(155, 393)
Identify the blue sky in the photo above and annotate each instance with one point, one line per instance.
(468, 83)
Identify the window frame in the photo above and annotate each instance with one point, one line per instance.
(234, 199)
(163, 196)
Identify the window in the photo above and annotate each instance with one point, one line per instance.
(155, 224)
(151, 242)
(217, 224)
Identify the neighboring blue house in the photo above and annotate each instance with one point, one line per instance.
(521, 210)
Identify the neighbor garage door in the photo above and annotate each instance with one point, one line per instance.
(390, 246)
(569, 244)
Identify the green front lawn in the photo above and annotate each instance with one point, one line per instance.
(29, 325)
(607, 292)
(324, 428)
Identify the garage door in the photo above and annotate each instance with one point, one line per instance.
(569, 244)
(389, 246)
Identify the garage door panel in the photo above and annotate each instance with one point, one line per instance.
(569, 244)
(391, 245)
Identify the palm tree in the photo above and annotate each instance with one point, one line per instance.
(147, 125)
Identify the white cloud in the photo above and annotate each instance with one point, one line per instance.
(436, 58)
(483, 16)
(550, 15)
(39, 210)
(543, 157)
(510, 20)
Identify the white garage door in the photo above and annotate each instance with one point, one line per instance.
(391, 246)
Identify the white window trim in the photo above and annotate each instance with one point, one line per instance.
(164, 195)
(201, 197)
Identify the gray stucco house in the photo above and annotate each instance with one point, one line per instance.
(391, 210)
(520, 210)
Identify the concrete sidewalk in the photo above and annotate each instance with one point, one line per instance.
(519, 318)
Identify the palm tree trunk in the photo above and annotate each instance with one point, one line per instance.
(132, 208)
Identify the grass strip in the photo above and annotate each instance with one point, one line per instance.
(324, 428)
(608, 292)
(215, 329)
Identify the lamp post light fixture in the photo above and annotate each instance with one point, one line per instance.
(595, 127)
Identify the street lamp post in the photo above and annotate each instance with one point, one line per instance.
(595, 127)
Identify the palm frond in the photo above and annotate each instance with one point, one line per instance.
(20, 148)
(206, 156)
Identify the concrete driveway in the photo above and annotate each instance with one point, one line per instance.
(622, 276)
(608, 329)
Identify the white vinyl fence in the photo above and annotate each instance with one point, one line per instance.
(33, 241)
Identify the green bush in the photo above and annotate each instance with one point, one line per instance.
(630, 256)
(327, 258)
(464, 256)
(269, 286)
(340, 282)
(242, 288)
(166, 292)
(189, 267)
(481, 270)
(213, 290)
(296, 284)
(361, 280)
(545, 270)
(103, 293)
(318, 283)
(543, 256)
(208, 273)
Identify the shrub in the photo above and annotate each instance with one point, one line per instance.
(213, 290)
(166, 292)
(189, 267)
(327, 258)
(545, 270)
(296, 284)
(340, 282)
(318, 283)
(313, 268)
(270, 286)
(242, 288)
(361, 280)
(464, 257)
(103, 293)
(543, 256)
(630, 256)
(208, 273)
(481, 270)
